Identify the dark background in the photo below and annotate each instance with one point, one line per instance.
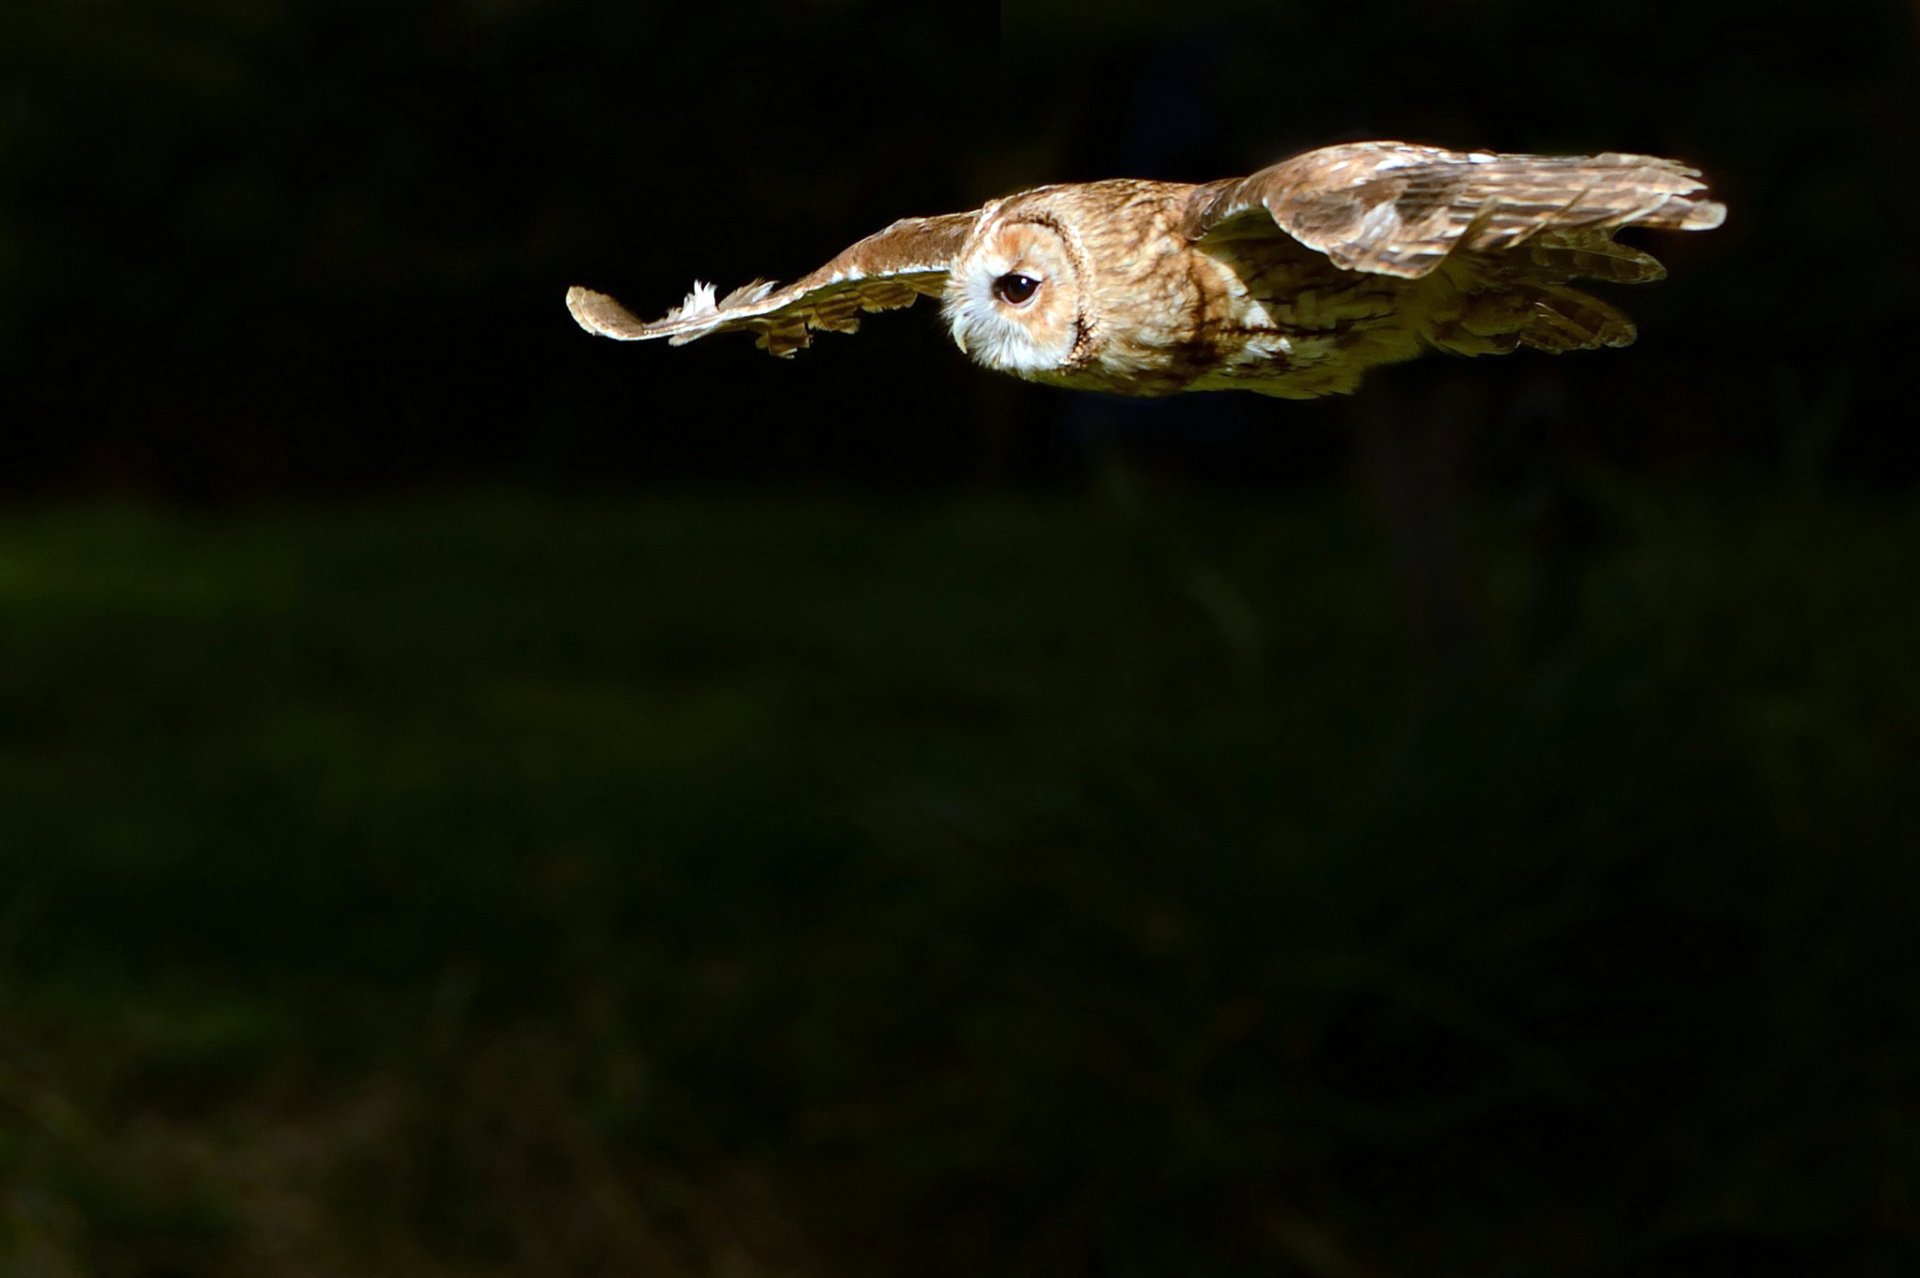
(314, 247)
(476, 799)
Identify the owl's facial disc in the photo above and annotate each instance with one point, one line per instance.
(1011, 301)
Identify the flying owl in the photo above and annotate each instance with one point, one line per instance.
(1292, 282)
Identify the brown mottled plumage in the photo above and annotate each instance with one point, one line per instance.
(1291, 282)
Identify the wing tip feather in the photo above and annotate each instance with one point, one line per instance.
(697, 314)
(1703, 215)
(603, 316)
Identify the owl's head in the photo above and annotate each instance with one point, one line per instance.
(1015, 299)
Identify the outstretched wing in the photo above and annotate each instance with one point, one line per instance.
(1391, 208)
(888, 269)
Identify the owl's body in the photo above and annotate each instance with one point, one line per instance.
(1259, 313)
(1292, 282)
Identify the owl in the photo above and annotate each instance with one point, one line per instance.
(1292, 282)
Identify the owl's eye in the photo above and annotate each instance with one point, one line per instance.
(1015, 289)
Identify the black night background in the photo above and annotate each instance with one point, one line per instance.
(478, 799)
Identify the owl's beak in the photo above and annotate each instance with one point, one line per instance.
(960, 340)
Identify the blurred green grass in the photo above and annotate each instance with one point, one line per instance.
(483, 884)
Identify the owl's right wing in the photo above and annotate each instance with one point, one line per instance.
(1392, 208)
(887, 270)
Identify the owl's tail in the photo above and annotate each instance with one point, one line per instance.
(1540, 316)
(1526, 299)
(1565, 319)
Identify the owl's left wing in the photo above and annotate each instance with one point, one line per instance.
(1392, 208)
(887, 270)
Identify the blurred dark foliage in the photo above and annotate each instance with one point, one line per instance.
(491, 886)
(319, 245)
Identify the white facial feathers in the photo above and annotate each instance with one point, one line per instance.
(1012, 298)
